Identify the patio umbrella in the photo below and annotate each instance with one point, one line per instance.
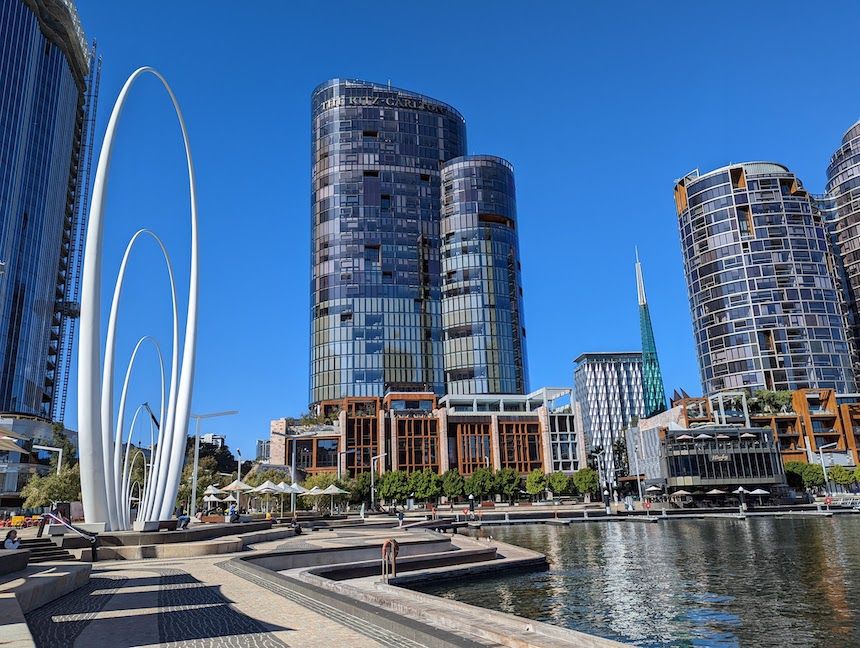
(6, 431)
(704, 436)
(723, 436)
(740, 490)
(298, 488)
(229, 498)
(212, 489)
(653, 489)
(748, 435)
(266, 488)
(8, 445)
(211, 498)
(285, 489)
(715, 491)
(681, 492)
(760, 492)
(316, 490)
(333, 490)
(684, 437)
(237, 486)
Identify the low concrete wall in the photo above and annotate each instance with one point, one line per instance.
(41, 584)
(284, 560)
(405, 564)
(196, 533)
(12, 560)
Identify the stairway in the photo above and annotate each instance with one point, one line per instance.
(43, 550)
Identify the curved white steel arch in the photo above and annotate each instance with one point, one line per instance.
(95, 436)
(112, 480)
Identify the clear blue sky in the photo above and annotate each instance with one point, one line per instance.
(599, 106)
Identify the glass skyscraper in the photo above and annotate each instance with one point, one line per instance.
(653, 391)
(44, 72)
(377, 158)
(482, 297)
(842, 203)
(766, 313)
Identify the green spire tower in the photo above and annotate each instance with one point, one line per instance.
(653, 393)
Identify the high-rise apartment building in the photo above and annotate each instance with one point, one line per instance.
(842, 203)
(653, 391)
(609, 399)
(46, 109)
(377, 158)
(483, 324)
(765, 309)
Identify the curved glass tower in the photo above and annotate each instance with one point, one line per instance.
(843, 215)
(764, 306)
(44, 67)
(482, 297)
(376, 321)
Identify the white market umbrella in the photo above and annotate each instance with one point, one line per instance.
(684, 437)
(723, 436)
(703, 436)
(682, 492)
(8, 445)
(653, 489)
(211, 498)
(229, 498)
(748, 435)
(298, 488)
(715, 491)
(285, 489)
(316, 490)
(333, 490)
(237, 485)
(212, 489)
(759, 491)
(739, 490)
(267, 488)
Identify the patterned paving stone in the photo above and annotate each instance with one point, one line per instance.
(78, 609)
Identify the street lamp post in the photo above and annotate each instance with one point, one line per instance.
(373, 461)
(197, 418)
(638, 481)
(821, 448)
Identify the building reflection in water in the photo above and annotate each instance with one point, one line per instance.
(715, 582)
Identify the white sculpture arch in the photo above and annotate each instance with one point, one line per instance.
(100, 472)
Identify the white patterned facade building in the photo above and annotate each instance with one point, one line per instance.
(608, 393)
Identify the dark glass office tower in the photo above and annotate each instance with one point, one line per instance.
(377, 155)
(483, 323)
(44, 73)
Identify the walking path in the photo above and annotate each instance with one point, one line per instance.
(187, 603)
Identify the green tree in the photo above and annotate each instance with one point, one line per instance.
(60, 440)
(425, 485)
(586, 481)
(393, 485)
(794, 474)
(480, 483)
(272, 475)
(619, 449)
(813, 476)
(535, 482)
(453, 484)
(857, 475)
(207, 473)
(359, 488)
(42, 491)
(558, 483)
(508, 483)
(841, 475)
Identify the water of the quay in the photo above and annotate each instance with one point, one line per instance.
(755, 582)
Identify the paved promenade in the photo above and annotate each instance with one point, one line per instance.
(188, 603)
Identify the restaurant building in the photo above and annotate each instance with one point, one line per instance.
(416, 430)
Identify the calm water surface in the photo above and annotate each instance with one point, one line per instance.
(758, 582)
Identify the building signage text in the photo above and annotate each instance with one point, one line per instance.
(382, 102)
(719, 457)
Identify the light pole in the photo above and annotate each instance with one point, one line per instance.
(826, 446)
(373, 461)
(638, 481)
(52, 449)
(197, 418)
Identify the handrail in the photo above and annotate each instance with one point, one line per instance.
(91, 537)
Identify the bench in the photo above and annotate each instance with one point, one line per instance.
(148, 526)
